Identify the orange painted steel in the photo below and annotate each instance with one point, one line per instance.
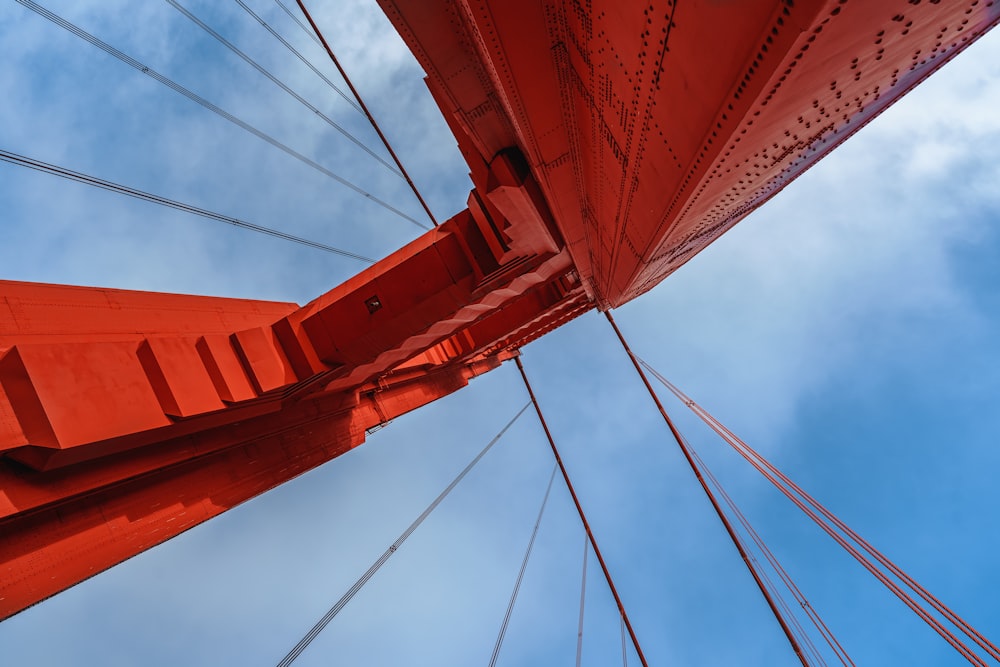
(653, 126)
(127, 417)
(608, 142)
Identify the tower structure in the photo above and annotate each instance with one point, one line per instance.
(607, 144)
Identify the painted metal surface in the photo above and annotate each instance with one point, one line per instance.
(607, 143)
(653, 127)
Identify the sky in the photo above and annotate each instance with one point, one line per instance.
(847, 330)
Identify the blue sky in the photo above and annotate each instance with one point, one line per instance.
(848, 330)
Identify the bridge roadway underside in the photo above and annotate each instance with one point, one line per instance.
(607, 143)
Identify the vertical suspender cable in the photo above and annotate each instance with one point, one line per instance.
(110, 186)
(364, 108)
(295, 52)
(281, 84)
(813, 615)
(922, 592)
(624, 645)
(302, 25)
(520, 574)
(583, 517)
(583, 600)
(815, 511)
(796, 626)
(711, 497)
(176, 87)
(342, 602)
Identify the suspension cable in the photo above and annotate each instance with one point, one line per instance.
(804, 637)
(69, 174)
(789, 583)
(281, 84)
(583, 600)
(364, 108)
(808, 646)
(824, 518)
(132, 62)
(342, 602)
(583, 516)
(624, 645)
(264, 24)
(306, 30)
(711, 497)
(520, 574)
(922, 592)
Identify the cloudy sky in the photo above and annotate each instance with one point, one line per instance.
(848, 330)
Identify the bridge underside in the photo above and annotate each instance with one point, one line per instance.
(607, 142)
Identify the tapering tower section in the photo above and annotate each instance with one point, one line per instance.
(654, 126)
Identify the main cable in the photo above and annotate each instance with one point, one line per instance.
(364, 107)
(359, 584)
(583, 516)
(281, 84)
(132, 62)
(69, 174)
